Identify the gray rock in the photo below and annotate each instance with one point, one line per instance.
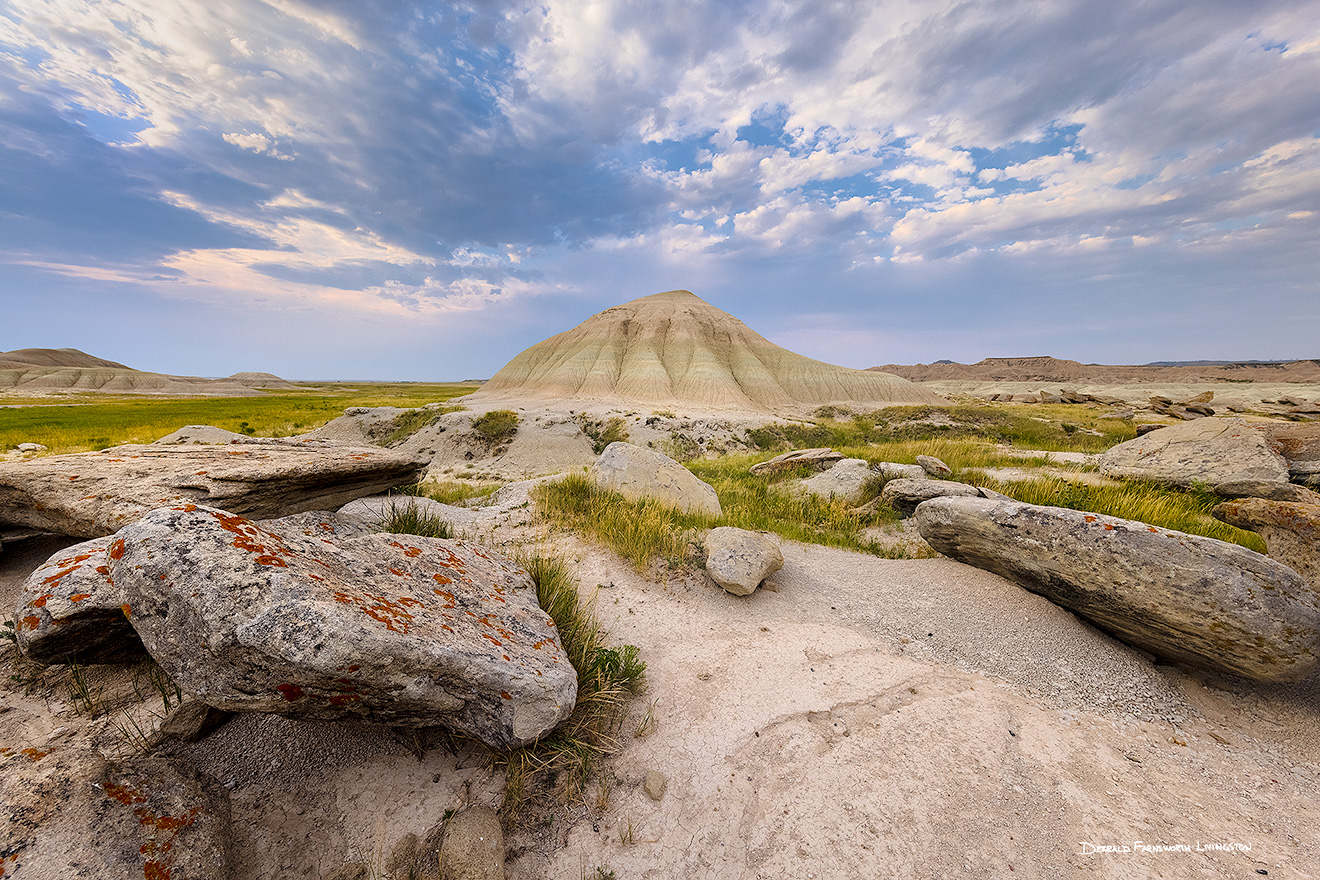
(1208, 451)
(193, 721)
(1187, 598)
(69, 609)
(70, 814)
(91, 494)
(933, 466)
(391, 629)
(738, 559)
(1266, 489)
(1291, 531)
(992, 494)
(473, 846)
(905, 495)
(30, 447)
(636, 472)
(818, 458)
(1143, 430)
(200, 435)
(844, 480)
(891, 471)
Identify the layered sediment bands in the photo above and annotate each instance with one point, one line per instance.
(675, 348)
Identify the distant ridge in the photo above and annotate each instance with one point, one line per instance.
(1049, 369)
(674, 348)
(41, 371)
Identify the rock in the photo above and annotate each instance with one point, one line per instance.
(199, 435)
(91, 494)
(738, 560)
(891, 471)
(1143, 430)
(635, 472)
(992, 494)
(473, 846)
(655, 785)
(817, 458)
(1204, 397)
(321, 524)
(1050, 397)
(933, 466)
(1299, 444)
(845, 480)
(1179, 596)
(402, 861)
(30, 447)
(1291, 531)
(69, 609)
(390, 629)
(193, 721)
(1209, 452)
(70, 814)
(1266, 489)
(905, 495)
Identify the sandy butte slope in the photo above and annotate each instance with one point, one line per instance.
(674, 348)
(41, 371)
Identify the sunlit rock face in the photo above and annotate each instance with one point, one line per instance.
(674, 348)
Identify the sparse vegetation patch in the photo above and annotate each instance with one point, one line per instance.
(496, 427)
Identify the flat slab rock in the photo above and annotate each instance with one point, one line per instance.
(91, 494)
(820, 457)
(1213, 452)
(1197, 600)
(391, 629)
(69, 814)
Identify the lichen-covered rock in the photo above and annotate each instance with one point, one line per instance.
(393, 629)
(893, 471)
(1208, 452)
(90, 494)
(69, 609)
(69, 814)
(905, 495)
(635, 472)
(844, 480)
(933, 466)
(1291, 531)
(738, 559)
(1197, 600)
(818, 458)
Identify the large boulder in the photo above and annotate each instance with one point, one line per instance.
(892, 470)
(904, 495)
(90, 494)
(70, 814)
(636, 472)
(845, 480)
(1291, 531)
(738, 559)
(1212, 452)
(70, 609)
(817, 458)
(392, 629)
(1187, 598)
(1299, 444)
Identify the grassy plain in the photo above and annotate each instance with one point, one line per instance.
(96, 421)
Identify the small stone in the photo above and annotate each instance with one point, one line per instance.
(739, 560)
(656, 784)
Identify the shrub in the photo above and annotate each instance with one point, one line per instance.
(604, 432)
(497, 426)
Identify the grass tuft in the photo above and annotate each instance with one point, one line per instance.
(497, 426)
(608, 678)
(603, 432)
(408, 518)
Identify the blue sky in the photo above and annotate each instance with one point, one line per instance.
(406, 190)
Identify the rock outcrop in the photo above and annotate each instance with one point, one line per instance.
(905, 494)
(675, 349)
(1217, 453)
(845, 480)
(933, 466)
(739, 560)
(1186, 598)
(1291, 531)
(392, 629)
(69, 609)
(91, 494)
(636, 472)
(817, 458)
(68, 813)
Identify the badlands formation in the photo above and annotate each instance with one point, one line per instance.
(1012, 708)
(40, 372)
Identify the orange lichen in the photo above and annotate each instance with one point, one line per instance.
(117, 549)
(290, 692)
(35, 754)
(78, 597)
(31, 621)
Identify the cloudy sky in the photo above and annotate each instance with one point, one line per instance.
(419, 190)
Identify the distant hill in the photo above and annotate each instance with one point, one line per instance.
(41, 371)
(1049, 369)
(674, 348)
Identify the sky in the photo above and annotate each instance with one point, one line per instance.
(419, 190)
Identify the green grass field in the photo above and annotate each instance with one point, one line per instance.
(95, 421)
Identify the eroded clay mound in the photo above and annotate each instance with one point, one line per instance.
(674, 348)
